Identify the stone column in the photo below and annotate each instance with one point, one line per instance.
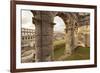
(71, 35)
(68, 42)
(66, 18)
(38, 35)
(43, 35)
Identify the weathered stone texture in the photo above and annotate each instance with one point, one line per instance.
(43, 21)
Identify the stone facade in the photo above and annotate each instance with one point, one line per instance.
(27, 45)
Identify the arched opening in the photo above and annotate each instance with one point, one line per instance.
(27, 37)
(59, 38)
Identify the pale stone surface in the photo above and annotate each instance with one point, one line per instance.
(84, 36)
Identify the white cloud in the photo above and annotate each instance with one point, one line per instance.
(27, 19)
(60, 25)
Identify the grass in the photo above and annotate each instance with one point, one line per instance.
(79, 53)
(59, 47)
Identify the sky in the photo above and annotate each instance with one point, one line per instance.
(27, 21)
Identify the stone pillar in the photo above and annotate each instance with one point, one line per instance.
(43, 35)
(71, 35)
(68, 42)
(66, 18)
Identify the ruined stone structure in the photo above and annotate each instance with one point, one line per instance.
(27, 34)
(43, 21)
(27, 45)
(71, 23)
(44, 35)
(84, 30)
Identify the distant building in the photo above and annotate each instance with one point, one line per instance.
(27, 45)
(27, 37)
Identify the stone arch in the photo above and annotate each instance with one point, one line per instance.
(43, 21)
(71, 23)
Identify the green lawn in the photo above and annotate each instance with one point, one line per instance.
(59, 47)
(79, 54)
